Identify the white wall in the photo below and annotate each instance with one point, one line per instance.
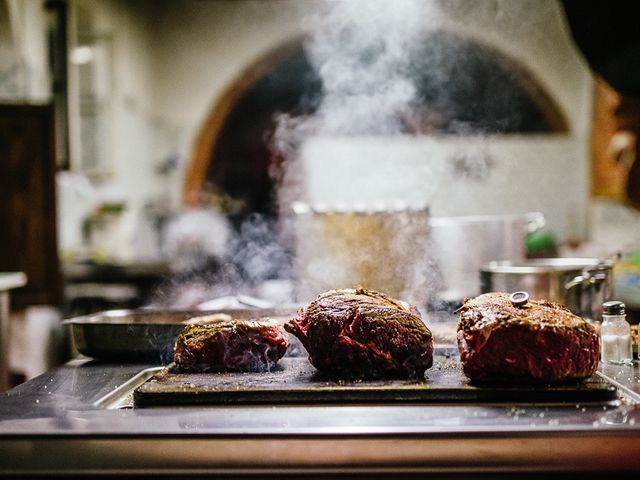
(527, 173)
(203, 47)
(172, 60)
(533, 32)
(129, 133)
(514, 174)
(132, 130)
(197, 62)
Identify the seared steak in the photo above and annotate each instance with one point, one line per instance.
(363, 334)
(229, 345)
(539, 341)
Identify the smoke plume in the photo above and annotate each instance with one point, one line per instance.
(360, 50)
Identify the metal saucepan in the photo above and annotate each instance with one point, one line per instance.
(461, 245)
(581, 284)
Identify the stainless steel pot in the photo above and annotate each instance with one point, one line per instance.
(581, 284)
(383, 249)
(461, 245)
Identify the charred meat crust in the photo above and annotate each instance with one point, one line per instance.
(541, 341)
(358, 333)
(230, 345)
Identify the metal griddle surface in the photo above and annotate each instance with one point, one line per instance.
(297, 381)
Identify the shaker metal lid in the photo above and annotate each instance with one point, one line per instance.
(519, 299)
(613, 308)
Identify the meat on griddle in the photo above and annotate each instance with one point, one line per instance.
(539, 341)
(229, 346)
(358, 333)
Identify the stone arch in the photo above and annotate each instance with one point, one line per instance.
(217, 159)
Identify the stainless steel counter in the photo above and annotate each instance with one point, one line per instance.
(51, 424)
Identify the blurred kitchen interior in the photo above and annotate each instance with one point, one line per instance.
(144, 144)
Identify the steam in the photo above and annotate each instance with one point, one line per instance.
(382, 74)
(361, 50)
(195, 235)
(252, 255)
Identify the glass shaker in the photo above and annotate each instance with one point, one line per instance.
(615, 334)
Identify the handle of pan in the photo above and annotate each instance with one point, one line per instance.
(592, 283)
(589, 276)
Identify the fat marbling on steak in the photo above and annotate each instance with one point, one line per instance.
(539, 341)
(358, 333)
(229, 345)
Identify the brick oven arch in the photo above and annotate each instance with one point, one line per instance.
(204, 167)
(208, 135)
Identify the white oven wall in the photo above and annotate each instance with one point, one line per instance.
(534, 33)
(549, 173)
(454, 176)
(173, 60)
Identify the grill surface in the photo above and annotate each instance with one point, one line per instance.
(296, 381)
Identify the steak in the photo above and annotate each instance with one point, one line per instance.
(538, 341)
(229, 346)
(363, 334)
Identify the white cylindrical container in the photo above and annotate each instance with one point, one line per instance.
(615, 334)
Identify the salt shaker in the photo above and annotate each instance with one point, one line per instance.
(615, 334)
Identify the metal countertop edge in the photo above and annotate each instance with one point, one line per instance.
(339, 472)
(290, 455)
(635, 396)
(335, 434)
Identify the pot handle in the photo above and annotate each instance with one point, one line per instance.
(591, 281)
(589, 276)
(578, 280)
(593, 275)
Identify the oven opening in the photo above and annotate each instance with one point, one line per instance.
(463, 88)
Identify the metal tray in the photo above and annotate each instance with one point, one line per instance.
(296, 381)
(133, 335)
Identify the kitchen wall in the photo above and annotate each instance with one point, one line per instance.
(421, 170)
(129, 133)
(195, 64)
(172, 59)
(504, 174)
(534, 33)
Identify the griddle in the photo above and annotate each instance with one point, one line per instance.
(295, 380)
